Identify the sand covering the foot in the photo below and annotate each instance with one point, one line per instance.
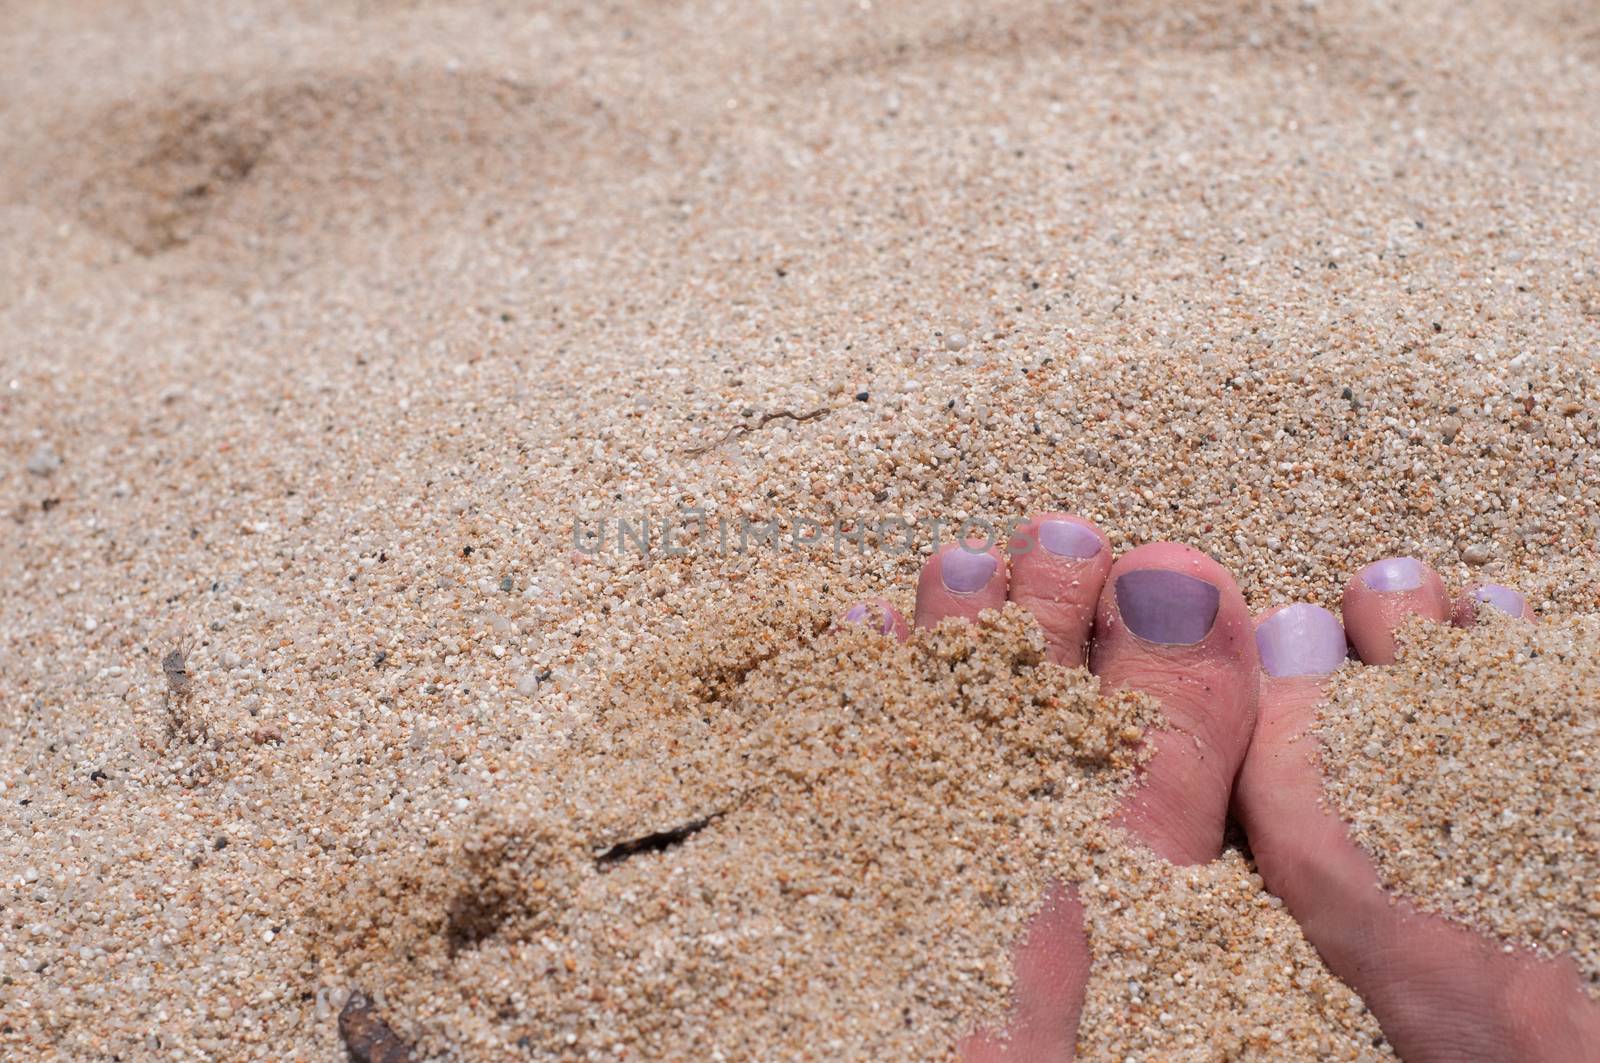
(1469, 770)
(829, 848)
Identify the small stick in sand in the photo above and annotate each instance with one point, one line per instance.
(766, 418)
(655, 842)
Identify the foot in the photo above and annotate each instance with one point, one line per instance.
(1163, 619)
(1439, 991)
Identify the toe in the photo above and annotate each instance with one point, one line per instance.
(878, 614)
(1382, 596)
(1172, 623)
(961, 579)
(1300, 640)
(1279, 790)
(1474, 600)
(1059, 563)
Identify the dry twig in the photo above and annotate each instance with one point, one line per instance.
(765, 419)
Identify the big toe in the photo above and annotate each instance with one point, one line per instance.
(1059, 563)
(1383, 596)
(1172, 623)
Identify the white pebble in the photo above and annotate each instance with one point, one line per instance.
(44, 461)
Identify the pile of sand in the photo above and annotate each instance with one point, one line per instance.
(836, 852)
(1468, 770)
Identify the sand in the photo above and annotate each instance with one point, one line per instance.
(727, 871)
(321, 325)
(852, 821)
(1468, 773)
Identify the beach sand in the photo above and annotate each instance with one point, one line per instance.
(833, 858)
(323, 325)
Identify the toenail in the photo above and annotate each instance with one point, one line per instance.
(1068, 538)
(964, 571)
(1508, 601)
(1301, 640)
(1393, 574)
(857, 613)
(1160, 605)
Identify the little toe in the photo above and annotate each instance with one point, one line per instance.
(1059, 563)
(1382, 596)
(1474, 600)
(1172, 623)
(961, 579)
(881, 616)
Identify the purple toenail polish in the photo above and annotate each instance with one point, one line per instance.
(1301, 640)
(1508, 601)
(1159, 605)
(1393, 574)
(964, 571)
(857, 613)
(1068, 539)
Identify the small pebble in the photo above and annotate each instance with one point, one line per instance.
(44, 461)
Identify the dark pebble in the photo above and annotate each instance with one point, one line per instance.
(367, 1037)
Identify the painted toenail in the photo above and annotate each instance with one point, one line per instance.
(964, 571)
(1159, 605)
(857, 613)
(1508, 601)
(1301, 640)
(1393, 574)
(1068, 539)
